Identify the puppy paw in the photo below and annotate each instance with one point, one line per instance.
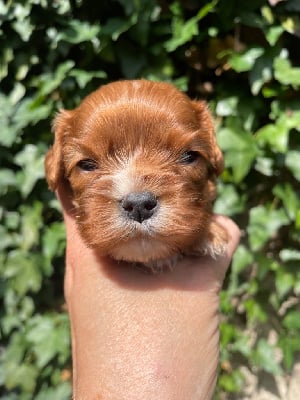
(215, 244)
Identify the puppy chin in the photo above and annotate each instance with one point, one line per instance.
(141, 251)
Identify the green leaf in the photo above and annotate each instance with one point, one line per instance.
(23, 25)
(265, 352)
(227, 107)
(48, 82)
(22, 376)
(285, 73)
(84, 77)
(284, 282)
(292, 162)
(273, 34)
(255, 311)
(288, 196)
(239, 147)
(232, 382)
(77, 31)
(290, 346)
(31, 159)
(244, 61)
(23, 272)
(274, 136)
(49, 336)
(114, 27)
(7, 180)
(277, 135)
(18, 372)
(261, 72)
(242, 258)
(291, 23)
(8, 133)
(263, 225)
(289, 255)
(229, 201)
(54, 240)
(184, 30)
(265, 165)
(61, 392)
(292, 321)
(31, 222)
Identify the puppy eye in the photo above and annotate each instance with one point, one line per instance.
(189, 157)
(87, 165)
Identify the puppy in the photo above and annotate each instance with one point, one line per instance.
(141, 159)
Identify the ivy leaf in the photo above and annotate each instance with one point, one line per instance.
(182, 30)
(83, 77)
(239, 147)
(290, 346)
(114, 27)
(49, 336)
(291, 23)
(54, 240)
(242, 258)
(265, 352)
(289, 254)
(48, 82)
(292, 320)
(31, 222)
(284, 282)
(285, 73)
(276, 135)
(77, 31)
(229, 201)
(7, 180)
(23, 272)
(227, 107)
(244, 61)
(289, 198)
(292, 162)
(261, 72)
(263, 225)
(31, 159)
(273, 34)
(21, 376)
(60, 392)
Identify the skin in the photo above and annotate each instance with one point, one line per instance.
(141, 336)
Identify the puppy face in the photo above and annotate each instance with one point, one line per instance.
(141, 159)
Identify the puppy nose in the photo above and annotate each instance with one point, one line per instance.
(139, 206)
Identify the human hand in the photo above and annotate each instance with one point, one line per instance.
(141, 336)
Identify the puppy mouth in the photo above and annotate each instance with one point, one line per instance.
(140, 212)
(140, 250)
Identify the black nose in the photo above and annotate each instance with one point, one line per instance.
(139, 206)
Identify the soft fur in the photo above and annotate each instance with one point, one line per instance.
(134, 137)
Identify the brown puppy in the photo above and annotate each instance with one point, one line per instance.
(141, 159)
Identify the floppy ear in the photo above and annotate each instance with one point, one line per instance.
(206, 126)
(53, 162)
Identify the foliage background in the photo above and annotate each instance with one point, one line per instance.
(243, 57)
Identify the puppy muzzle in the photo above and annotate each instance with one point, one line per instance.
(139, 206)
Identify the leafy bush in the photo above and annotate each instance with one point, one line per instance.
(242, 57)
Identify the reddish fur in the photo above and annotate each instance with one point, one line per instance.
(140, 127)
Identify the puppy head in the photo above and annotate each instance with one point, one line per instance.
(141, 159)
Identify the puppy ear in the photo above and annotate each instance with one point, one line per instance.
(53, 162)
(213, 153)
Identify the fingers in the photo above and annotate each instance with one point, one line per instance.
(233, 232)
